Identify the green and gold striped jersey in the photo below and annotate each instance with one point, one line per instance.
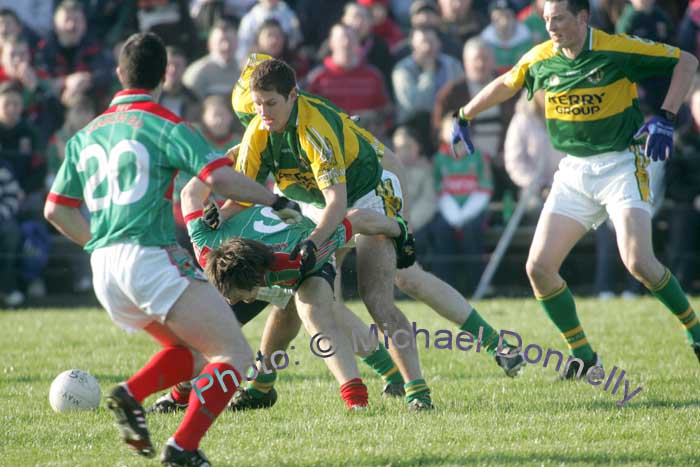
(591, 101)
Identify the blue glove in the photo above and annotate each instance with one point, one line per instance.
(460, 132)
(660, 140)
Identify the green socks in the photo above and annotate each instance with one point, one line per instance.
(489, 336)
(668, 291)
(561, 309)
(262, 384)
(380, 361)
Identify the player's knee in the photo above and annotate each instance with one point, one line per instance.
(641, 268)
(536, 269)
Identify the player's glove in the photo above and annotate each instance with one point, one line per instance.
(306, 250)
(660, 140)
(288, 211)
(211, 215)
(460, 132)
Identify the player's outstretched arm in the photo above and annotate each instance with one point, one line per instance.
(492, 94)
(234, 185)
(195, 196)
(69, 221)
(366, 222)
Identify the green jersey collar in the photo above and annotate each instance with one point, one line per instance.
(293, 120)
(127, 96)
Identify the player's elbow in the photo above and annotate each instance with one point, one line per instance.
(50, 212)
(688, 61)
(221, 179)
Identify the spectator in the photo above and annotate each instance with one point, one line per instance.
(418, 77)
(265, 9)
(529, 156)
(272, 40)
(373, 49)
(10, 237)
(78, 114)
(401, 12)
(683, 188)
(689, 32)
(11, 27)
(317, 17)
(75, 62)
(171, 20)
(531, 17)
(382, 25)
(351, 84)
(508, 38)
(489, 128)
(42, 108)
(177, 97)
(606, 13)
(205, 12)
(109, 20)
(425, 13)
(419, 191)
(643, 18)
(460, 19)
(464, 191)
(35, 15)
(215, 73)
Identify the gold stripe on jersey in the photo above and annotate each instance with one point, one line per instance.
(629, 44)
(253, 142)
(640, 173)
(588, 104)
(515, 78)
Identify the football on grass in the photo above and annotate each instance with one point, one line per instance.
(74, 390)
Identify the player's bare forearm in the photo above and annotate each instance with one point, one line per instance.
(233, 185)
(493, 94)
(366, 222)
(681, 80)
(194, 195)
(333, 214)
(69, 221)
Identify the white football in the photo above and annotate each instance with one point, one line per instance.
(74, 390)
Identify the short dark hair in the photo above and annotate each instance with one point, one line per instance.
(575, 6)
(239, 263)
(142, 61)
(273, 75)
(11, 87)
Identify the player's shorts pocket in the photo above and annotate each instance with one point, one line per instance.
(181, 259)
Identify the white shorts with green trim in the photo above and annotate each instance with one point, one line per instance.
(277, 296)
(140, 284)
(588, 189)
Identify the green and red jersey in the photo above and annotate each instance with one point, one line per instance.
(591, 101)
(122, 165)
(461, 178)
(262, 224)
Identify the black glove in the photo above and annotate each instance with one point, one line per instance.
(306, 249)
(211, 215)
(288, 211)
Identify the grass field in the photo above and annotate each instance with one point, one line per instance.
(482, 417)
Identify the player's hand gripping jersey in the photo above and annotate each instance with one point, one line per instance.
(320, 147)
(591, 101)
(124, 173)
(261, 224)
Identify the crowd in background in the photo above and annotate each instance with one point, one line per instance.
(402, 66)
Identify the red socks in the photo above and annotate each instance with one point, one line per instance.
(209, 386)
(169, 366)
(354, 393)
(181, 393)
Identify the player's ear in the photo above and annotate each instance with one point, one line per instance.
(293, 94)
(119, 75)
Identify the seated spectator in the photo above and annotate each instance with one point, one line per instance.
(689, 30)
(382, 25)
(460, 19)
(464, 190)
(643, 18)
(10, 238)
(177, 97)
(418, 77)
(419, 191)
(75, 62)
(349, 83)
(531, 17)
(489, 127)
(42, 108)
(272, 40)
(265, 9)
(34, 15)
(214, 73)
(78, 114)
(425, 13)
(530, 158)
(171, 20)
(508, 38)
(683, 188)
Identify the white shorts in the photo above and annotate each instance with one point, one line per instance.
(588, 189)
(386, 198)
(277, 296)
(138, 284)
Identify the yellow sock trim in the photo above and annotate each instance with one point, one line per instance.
(549, 296)
(663, 282)
(692, 323)
(578, 343)
(573, 331)
(686, 313)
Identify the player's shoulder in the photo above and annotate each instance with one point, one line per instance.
(629, 44)
(539, 53)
